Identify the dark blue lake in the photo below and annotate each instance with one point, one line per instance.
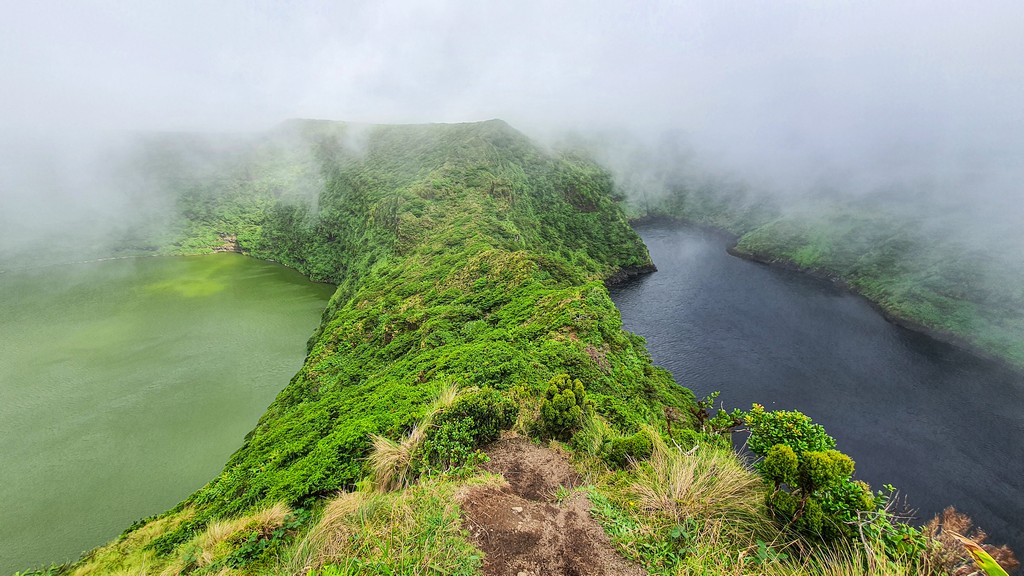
(945, 427)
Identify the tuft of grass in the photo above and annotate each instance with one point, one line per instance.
(851, 561)
(699, 546)
(221, 538)
(129, 554)
(695, 512)
(331, 536)
(704, 482)
(562, 494)
(447, 394)
(592, 435)
(216, 541)
(416, 530)
(391, 461)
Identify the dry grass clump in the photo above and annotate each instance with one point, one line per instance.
(219, 538)
(857, 562)
(129, 555)
(950, 556)
(215, 541)
(702, 483)
(416, 530)
(391, 461)
(332, 535)
(444, 398)
(710, 507)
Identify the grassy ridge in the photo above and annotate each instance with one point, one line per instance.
(468, 258)
(461, 252)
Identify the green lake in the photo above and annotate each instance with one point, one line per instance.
(126, 384)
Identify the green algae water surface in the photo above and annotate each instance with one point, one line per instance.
(125, 385)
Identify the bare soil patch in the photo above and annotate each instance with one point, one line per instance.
(524, 531)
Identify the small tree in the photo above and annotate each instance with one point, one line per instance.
(564, 407)
(790, 428)
(813, 490)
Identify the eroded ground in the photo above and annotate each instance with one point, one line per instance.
(524, 530)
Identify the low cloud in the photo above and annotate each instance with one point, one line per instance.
(919, 99)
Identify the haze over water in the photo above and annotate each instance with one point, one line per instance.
(896, 101)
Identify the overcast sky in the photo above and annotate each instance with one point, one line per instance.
(865, 90)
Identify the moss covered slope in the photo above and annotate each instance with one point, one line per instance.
(462, 252)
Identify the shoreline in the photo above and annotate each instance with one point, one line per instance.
(627, 273)
(731, 241)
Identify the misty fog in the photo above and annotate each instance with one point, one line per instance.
(118, 118)
(907, 100)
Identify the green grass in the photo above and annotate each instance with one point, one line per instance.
(464, 256)
(417, 530)
(715, 523)
(462, 253)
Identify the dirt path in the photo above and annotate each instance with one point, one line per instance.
(524, 531)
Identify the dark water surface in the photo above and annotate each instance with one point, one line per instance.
(944, 427)
(125, 385)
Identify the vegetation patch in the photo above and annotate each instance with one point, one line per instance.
(463, 254)
(470, 267)
(414, 531)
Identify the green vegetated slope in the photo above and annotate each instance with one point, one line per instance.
(921, 270)
(462, 253)
(471, 268)
(459, 251)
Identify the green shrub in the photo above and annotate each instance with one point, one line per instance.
(780, 465)
(823, 470)
(790, 428)
(618, 451)
(845, 505)
(490, 410)
(451, 444)
(813, 490)
(804, 518)
(564, 407)
(472, 419)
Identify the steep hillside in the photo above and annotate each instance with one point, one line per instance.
(463, 254)
(471, 269)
